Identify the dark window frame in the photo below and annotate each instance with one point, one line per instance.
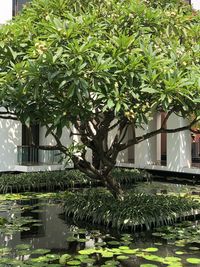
(17, 6)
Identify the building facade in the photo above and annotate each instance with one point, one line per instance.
(177, 152)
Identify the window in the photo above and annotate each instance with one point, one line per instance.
(18, 5)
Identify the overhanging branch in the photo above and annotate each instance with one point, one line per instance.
(153, 133)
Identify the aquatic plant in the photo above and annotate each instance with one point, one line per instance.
(181, 234)
(93, 247)
(136, 210)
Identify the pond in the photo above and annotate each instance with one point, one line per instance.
(37, 234)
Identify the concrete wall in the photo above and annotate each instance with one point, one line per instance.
(5, 11)
(178, 145)
(10, 138)
(196, 4)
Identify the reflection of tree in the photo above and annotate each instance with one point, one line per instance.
(35, 230)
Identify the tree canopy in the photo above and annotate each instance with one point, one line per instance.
(98, 66)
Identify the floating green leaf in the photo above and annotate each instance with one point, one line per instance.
(64, 258)
(179, 252)
(193, 260)
(41, 251)
(122, 257)
(148, 265)
(106, 254)
(87, 251)
(74, 262)
(150, 249)
(23, 247)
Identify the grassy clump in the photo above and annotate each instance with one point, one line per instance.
(136, 210)
(60, 180)
(48, 181)
(130, 176)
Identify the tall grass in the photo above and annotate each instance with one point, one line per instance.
(60, 180)
(135, 211)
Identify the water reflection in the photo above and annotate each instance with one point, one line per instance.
(45, 228)
(40, 224)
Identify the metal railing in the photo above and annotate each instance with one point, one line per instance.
(30, 155)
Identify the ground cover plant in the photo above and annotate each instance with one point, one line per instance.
(182, 234)
(101, 69)
(49, 181)
(60, 180)
(136, 211)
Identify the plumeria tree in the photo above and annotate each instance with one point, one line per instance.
(99, 68)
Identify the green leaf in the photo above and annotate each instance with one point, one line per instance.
(122, 257)
(73, 262)
(118, 107)
(150, 249)
(149, 90)
(193, 260)
(64, 258)
(148, 265)
(110, 103)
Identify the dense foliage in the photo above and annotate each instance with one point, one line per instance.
(49, 181)
(100, 68)
(60, 180)
(135, 211)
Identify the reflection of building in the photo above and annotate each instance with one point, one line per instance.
(47, 231)
(19, 146)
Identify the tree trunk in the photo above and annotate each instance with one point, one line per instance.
(114, 187)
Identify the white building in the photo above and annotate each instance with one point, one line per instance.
(173, 152)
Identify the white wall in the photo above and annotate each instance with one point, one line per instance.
(178, 145)
(50, 141)
(5, 11)
(196, 4)
(10, 138)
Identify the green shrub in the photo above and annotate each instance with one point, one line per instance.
(48, 181)
(136, 210)
(130, 176)
(60, 180)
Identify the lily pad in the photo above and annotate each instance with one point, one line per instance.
(193, 260)
(74, 262)
(81, 257)
(41, 251)
(179, 252)
(122, 257)
(123, 247)
(64, 258)
(87, 260)
(112, 262)
(107, 254)
(23, 246)
(129, 251)
(87, 251)
(150, 249)
(193, 248)
(148, 265)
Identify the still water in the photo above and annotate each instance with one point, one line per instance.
(37, 228)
